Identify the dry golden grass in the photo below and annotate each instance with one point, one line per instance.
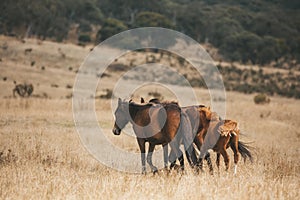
(47, 160)
(42, 156)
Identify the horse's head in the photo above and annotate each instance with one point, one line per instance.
(207, 112)
(209, 115)
(121, 116)
(214, 117)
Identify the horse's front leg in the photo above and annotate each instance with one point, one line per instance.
(141, 143)
(149, 158)
(203, 150)
(203, 154)
(165, 149)
(200, 162)
(199, 140)
(218, 161)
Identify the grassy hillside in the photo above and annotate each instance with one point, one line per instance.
(51, 67)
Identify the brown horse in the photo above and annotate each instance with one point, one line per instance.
(186, 135)
(220, 134)
(197, 120)
(156, 124)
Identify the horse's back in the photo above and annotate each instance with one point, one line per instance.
(158, 123)
(193, 115)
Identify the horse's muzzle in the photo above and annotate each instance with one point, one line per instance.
(116, 130)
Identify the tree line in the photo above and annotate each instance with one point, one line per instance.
(253, 31)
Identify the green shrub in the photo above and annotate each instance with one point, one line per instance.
(84, 27)
(109, 28)
(84, 38)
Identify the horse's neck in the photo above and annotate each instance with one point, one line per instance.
(203, 120)
(214, 122)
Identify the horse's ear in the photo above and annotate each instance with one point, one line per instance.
(142, 100)
(208, 108)
(119, 101)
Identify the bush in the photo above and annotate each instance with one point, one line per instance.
(108, 94)
(261, 99)
(109, 28)
(152, 19)
(84, 27)
(84, 38)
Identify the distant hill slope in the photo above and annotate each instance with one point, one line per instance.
(52, 67)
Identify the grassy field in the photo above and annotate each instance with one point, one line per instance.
(42, 156)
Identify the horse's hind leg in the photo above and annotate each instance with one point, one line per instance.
(226, 158)
(191, 156)
(149, 158)
(165, 150)
(181, 160)
(208, 160)
(178, 153)
(173, 159)
(234, 147)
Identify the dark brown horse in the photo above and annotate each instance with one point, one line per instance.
(197, 119)
(186, 135)
(156, 124)
(220, 135)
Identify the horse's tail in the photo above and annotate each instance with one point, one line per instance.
(244, 151)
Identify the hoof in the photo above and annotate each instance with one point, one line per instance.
(175, 167)
(165, 170)
(172, 165)
(199, 170)
(144, 171)
(155, 170)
